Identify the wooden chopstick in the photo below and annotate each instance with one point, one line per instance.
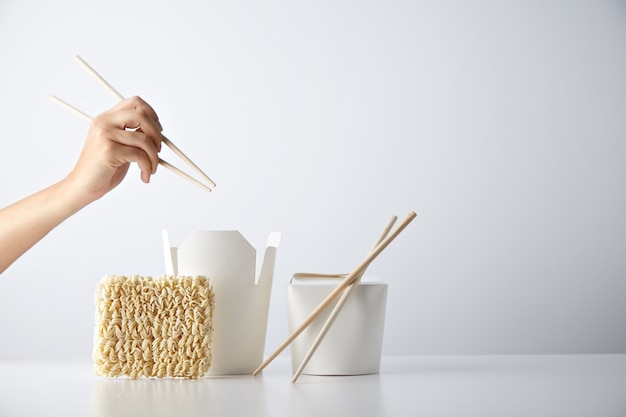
(99, 78)
(337, 309)
(186, 176)
(314, 275)
(120, 97)
(352, 277)
(71, 108)
(186, 159)
(165, 140)
(162, 162)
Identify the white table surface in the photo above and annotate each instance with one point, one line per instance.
(557, 385)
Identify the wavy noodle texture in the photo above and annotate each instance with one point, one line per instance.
(153, 327)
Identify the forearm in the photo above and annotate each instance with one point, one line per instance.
(27, 221)
(129, 132)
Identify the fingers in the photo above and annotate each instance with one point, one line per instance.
(145, 142)
(133, 123)
(140, 141)
(127, 154)
(138, 105)
(134, 113)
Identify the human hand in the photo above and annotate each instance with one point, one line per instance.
(128, 132)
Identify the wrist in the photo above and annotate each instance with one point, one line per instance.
(71, 195)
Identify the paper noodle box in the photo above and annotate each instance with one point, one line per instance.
(242, 298)
(353, 344)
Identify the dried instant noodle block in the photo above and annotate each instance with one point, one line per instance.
(153, 327)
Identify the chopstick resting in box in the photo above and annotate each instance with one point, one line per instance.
(337, 309)
(350, 279)
(169, 143)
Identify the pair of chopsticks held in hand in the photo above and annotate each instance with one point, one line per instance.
(209, 182)
(344, 288)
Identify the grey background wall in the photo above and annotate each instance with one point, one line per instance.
(501, 123)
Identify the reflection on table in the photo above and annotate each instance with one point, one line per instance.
(519, 385)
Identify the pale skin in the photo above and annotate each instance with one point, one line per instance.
(128, 133)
